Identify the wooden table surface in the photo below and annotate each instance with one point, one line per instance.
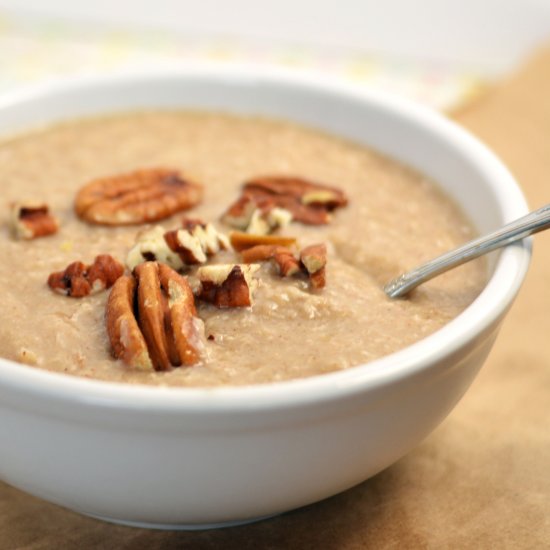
(481, 480)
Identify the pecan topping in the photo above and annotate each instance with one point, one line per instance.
(192, 244)
(318, 279)
(227, 285)
(241, 241)
(307, 202)
(257, 215)
(152, 321)
(127, 341)
(210, 239)
(79, 280)
(195, 241)
(152, 246)
(240, 213)
(283, 258)
(305, 191)
(137, 197)
(186, 246)
(261, 252)
(314, 259)
(286, 262)
(31, 221)
(264, 222)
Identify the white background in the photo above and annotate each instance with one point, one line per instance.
(482, 35)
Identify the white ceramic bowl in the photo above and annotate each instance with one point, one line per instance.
(194, 458)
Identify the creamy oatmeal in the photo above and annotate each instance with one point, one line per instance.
(395, 219)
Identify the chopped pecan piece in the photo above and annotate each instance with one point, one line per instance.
(211, 240)
(162, 331)
(325, 198)
(264, 199)
(314, 259)
(260, 253)
(256, 214)
(178, 248)
(186, 246)
(264, 222)
(195, 241)
(240, 212)
(73, 281)
(306, 214)
(258, 224)
(304, 190)
(152, 246)
(79, 280)
(241, 241)
(31, 221)
(137, 197)
(286, 262)
(227, 285)
(104, 272)
(318, 279)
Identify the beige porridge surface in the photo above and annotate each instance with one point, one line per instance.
(395, 219)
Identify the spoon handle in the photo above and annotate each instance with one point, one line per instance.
(539, 220)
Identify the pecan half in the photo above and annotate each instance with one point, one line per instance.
(227, 285)
(31, 221)
(152, 321)
(137, 197)
(125, 336)
(241, 241)
(79, 280)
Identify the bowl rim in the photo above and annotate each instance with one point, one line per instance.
(487, 309)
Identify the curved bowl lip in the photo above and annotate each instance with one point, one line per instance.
(485, 311)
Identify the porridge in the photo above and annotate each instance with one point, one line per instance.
(252, 314)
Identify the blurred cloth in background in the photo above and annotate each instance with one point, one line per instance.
(439, 52)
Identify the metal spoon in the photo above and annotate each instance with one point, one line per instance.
(536, 221)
